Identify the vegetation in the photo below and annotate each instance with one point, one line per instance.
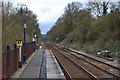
(13, 24)
(81, 29)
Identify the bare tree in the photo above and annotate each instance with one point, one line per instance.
(105, 7)
(7, 7)
(71, 12)
(98, 8)
(113, 6)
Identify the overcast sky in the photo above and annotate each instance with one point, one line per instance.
(48, 11)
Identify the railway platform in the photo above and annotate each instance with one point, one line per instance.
(42, 65)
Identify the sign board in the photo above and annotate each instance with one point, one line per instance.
(19, 43)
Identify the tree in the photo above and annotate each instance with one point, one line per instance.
(7, 7)
(113, 6)
(105, 7)
(70, 14)
(12, 27)
(98, 8)
(95, 8)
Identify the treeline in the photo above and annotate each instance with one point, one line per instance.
(91, 28)
(13, 24)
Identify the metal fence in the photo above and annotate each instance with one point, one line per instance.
(10, 58)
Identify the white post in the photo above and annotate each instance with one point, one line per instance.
(20, 61)
(19, 54)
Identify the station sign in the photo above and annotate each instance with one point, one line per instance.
(19, 43)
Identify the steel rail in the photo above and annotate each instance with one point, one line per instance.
(94, 59)
(79, 66)
(116, 76)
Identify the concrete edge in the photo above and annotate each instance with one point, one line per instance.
(20, 70)
(57, 64)
(58, 67)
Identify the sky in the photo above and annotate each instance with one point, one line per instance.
(47, 11)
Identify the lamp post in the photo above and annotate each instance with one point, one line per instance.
(2, 6)
(24, 12)
(34, 37)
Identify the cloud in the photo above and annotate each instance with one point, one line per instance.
(51, 15)
(45, 10)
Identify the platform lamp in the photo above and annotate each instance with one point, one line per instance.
(23, 13)
(34, 36)
(35, 39)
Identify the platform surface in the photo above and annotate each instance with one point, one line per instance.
(33, 69)
(43, 65)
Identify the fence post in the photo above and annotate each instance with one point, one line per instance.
(34, 46)
(8, 61)
(15, 56)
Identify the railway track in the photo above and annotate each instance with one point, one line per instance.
(77, 67)
(72, 69)
(104, 66)
(92, 58)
